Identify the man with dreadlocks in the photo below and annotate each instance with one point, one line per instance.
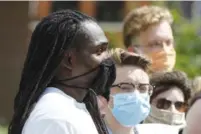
(66, 67)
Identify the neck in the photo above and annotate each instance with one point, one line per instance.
(115, 126)
(77, 93)
(78, 85)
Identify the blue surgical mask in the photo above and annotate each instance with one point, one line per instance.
(131, 108)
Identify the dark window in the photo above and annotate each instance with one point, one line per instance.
(59, 5)
(109, 10)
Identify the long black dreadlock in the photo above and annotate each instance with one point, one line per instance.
(51, 37)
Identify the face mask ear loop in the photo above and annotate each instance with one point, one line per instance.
(72, 78)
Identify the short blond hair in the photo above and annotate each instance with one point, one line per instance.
(122, 57)
(141, 18)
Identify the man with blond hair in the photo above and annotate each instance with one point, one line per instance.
(147, 30)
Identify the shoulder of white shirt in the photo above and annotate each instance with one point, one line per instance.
(54, 102)
(55, 108)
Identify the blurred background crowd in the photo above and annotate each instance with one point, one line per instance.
(18, 20)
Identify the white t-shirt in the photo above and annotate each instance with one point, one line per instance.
(58, 113)
(153, 128)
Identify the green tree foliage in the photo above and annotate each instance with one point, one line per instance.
(188, 45)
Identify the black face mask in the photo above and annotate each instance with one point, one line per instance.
(105, 78)
(102, 82)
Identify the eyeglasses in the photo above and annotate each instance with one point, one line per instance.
(130, 87)
(165, 104)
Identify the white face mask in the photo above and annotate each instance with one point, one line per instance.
(165, 117)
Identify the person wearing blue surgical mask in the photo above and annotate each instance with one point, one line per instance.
(129, 95)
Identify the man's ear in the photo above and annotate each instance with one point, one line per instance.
(68, 60)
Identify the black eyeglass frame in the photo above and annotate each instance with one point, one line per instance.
(135, 86)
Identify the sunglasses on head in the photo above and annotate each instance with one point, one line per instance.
(166, 104)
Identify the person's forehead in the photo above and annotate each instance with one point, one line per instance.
(131, 74)
(173, 94)
(93, 33)
(159, 31)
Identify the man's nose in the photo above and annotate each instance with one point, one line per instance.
(165, 47)
(107, 55)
